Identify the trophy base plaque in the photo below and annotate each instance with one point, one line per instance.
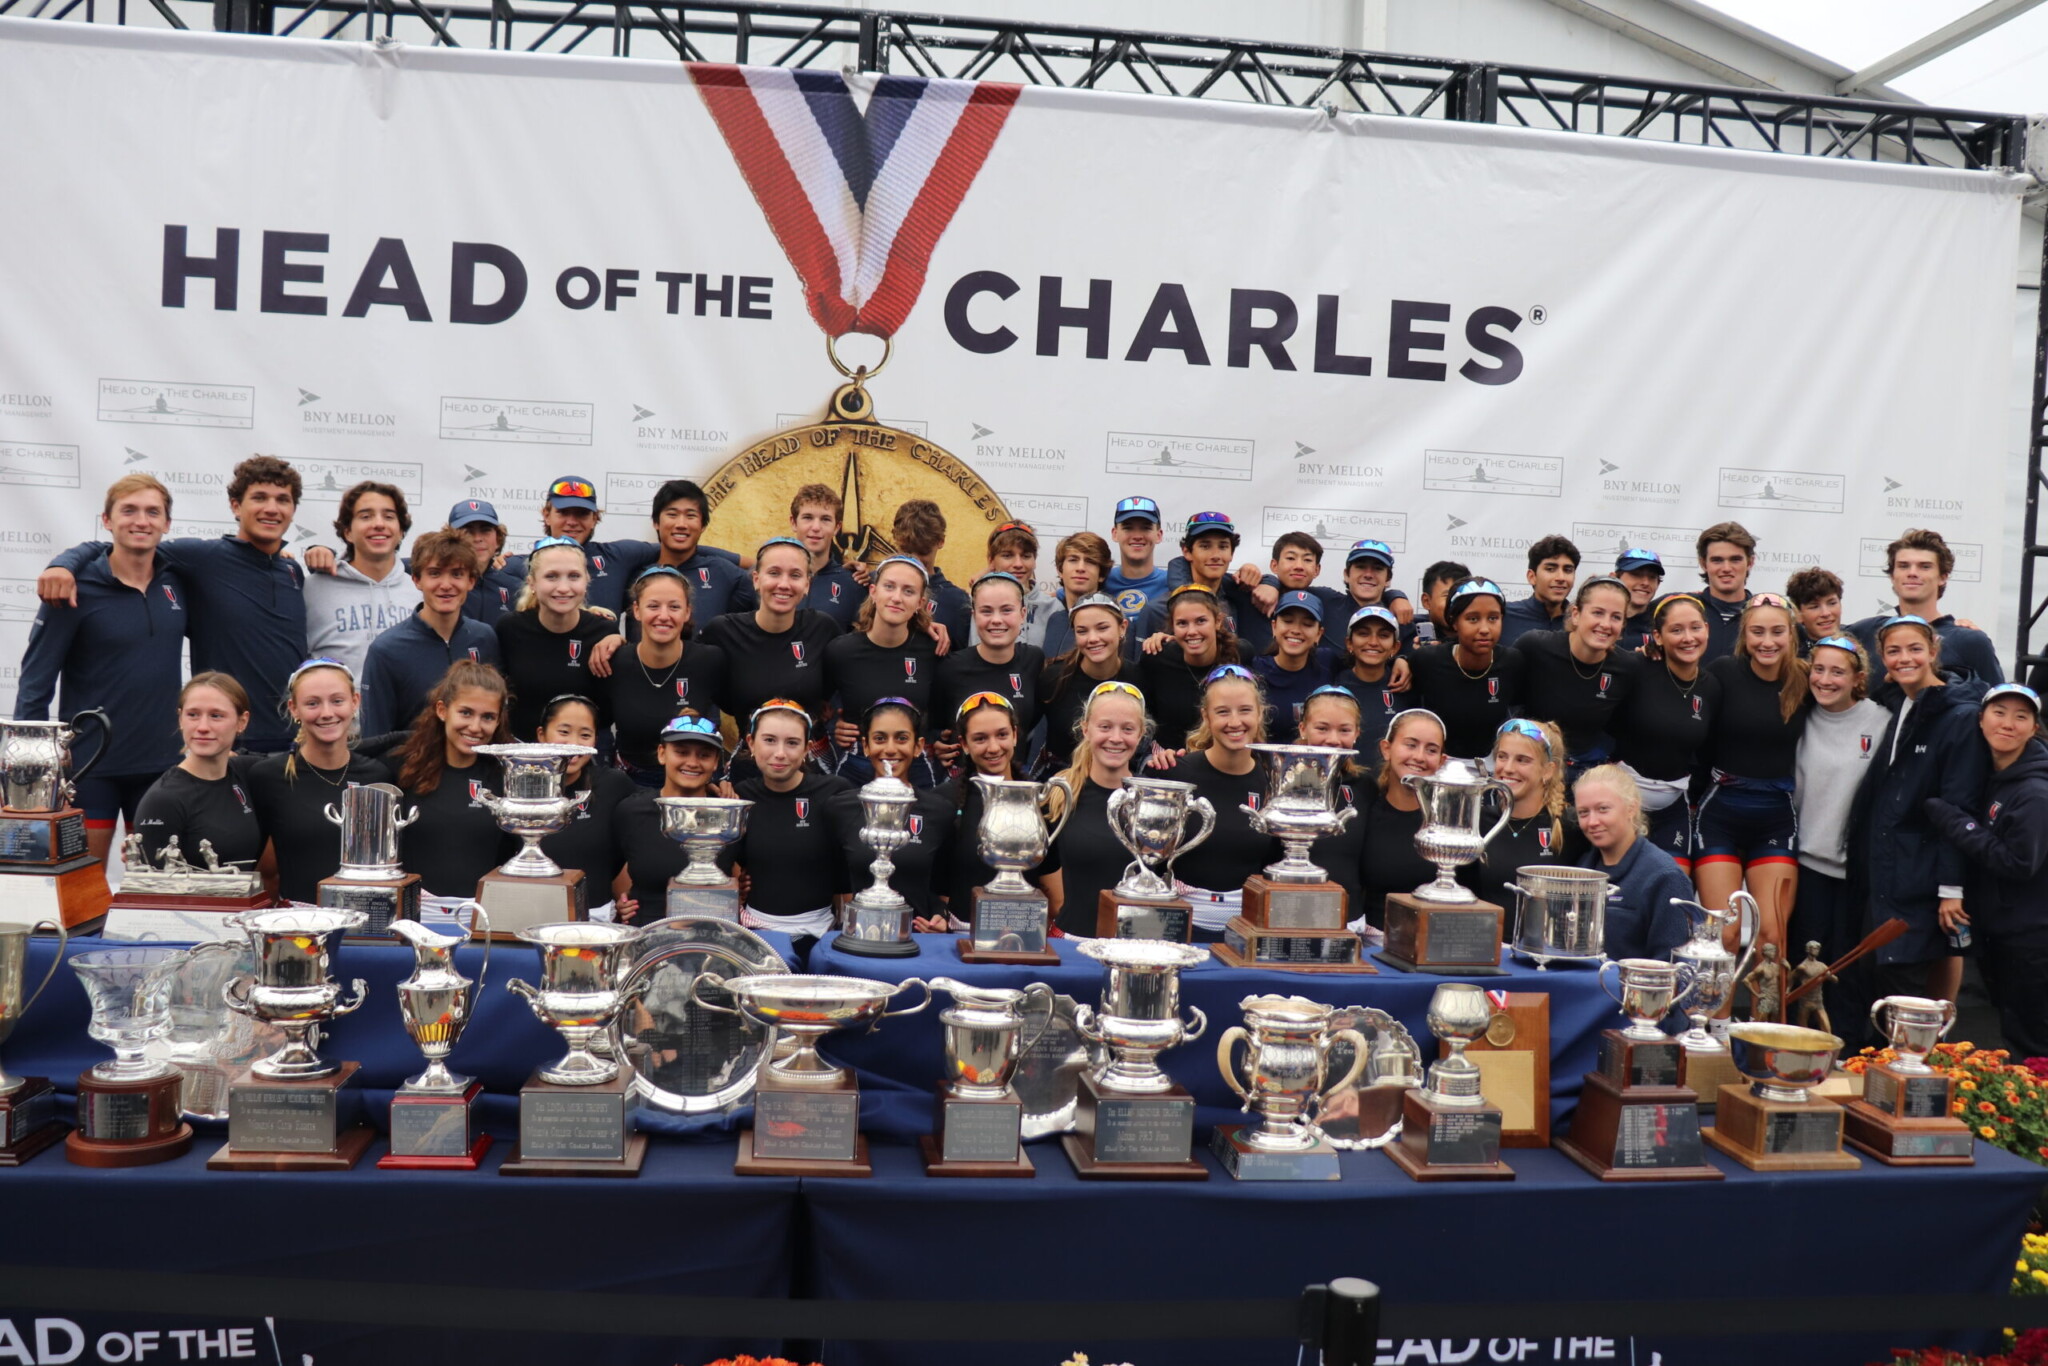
(1779, 1135)
(576, 1130)
(383, 901)
(1637, 1133)
(1246, 1163)
(435, 1132)
(1123, 917)
(1009, 929)
(971, 952)
(1133, 1135)
(74, 894)
(128, 1123)
(1274, 905)
(1903, 1119)
(308, 1124)
(1448, 1142)
(28, 1121)
(976, 1138)
(805, 1130)
(717, 901)
(1246, 945)
(518, 903)
(1450, 938)
(41, 836)
(1631, 1063)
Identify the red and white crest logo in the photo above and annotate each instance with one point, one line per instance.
(835, 591)
(1387, 698)
(1251, 799)
(1605, 680)
(1992, 814)
(597, 564)
(916, 826)
(1543, 840)
(575, 652)
(803, 809)
(1493, 689)
(243, 798)
(475, 506)
(1345, 788)
(1864, 742)
(171, 598)
(504, 598)
(1016, 685)
(1696, 710)
(796, 649)
(703, 576)
(682, 689)
(910, 670)
(473, 655)
(476, 788)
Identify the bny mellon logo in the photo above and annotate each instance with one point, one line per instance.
(470, 474)
(1607, 467)
(1456, 522)
(134, 456)
(1303, 451)
(980, 431)
(1891, 483)
(641, 414)
(307, 396)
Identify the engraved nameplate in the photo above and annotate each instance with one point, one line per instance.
(1010, 924)
(381, 904)
(1288, 948)
(115, 1116)
(980, 1131)
(283, 1119)
(586, 1125)
(1144, 1128)
(1632, 1062)
(1803, 1131)
(1663, 1135)
(719, 903)
(1950, 1144)
(25, 1117)
(27, 839)
(1907, 1097)
(432, 1128)
(1462, 937)
(822, 1126)
(1136, 920)
(1304, 908)
(1464, 1137)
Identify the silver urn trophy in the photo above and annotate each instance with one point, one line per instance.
(704, 826)
(875, 922)
(1453, 813)
(530, 888)
(371, 881)
(1149, 817)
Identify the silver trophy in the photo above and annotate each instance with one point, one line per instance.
(533, 806)
(291, 988)
(173, 873)
(34, 756)
(1912, 1025)
(1298, 809)
(1649, 988)
(437, 1001)
(1013, 836)
(1782, 1061)
(13, 973)
(1458, 1013)
(1138, 1016)
(807, 1007)
(876, 921)
(583, 968)
(1715, 968)
(1288, 1040)
(1149, 817)
(1453, 809)
(985, 1035)
(1561, 914)
(703, 826)
(370, 823)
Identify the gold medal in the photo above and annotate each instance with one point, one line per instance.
(1500, 1029)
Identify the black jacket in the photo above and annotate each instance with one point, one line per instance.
(1896, 856)
(2004, 838)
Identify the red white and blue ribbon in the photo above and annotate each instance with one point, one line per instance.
(857, 200)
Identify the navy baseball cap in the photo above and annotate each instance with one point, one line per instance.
(1635, 557)
(1370, 550)
(572, 491)
(1136, 510)
(1210, 523)
(1373, 613)
(470, 511)
(1301, 600)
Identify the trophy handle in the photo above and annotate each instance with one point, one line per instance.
(529, 993)
(1200, 807)
(56, 962)
(99, 718)
(906, 984)
(1038, 990)
(694, 998)
(1200, 1027)
(1059, 780)
(1084, 1024)
(1521, 909)
(1507, 809)
(1689, 974)
(1749, 918)
(239, 1004)
(1225, 1065)
(1948, 1019)
(1877, 1010)
(1360, 1051)
(399, 822)
(353, 1006)
(1610, 963)
(331, 814)
(1117, 800)
(478, 915)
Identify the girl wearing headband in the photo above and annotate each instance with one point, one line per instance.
(890, 730)
(589, 841)
(889, 651)
(1664, 732)
(892, 737)
(206, 797)
(778, 649)
(1641, 920)
(1174, 666)
(659, 674)
(988, 745)
(291, 791)
(1115, 735)
(554, 643)
(1529, 757)
(1843, 727)
(456, 839)
(790, 853)
(1391, 814)
(1747, 830)
(1096, 626)
(691, 752)
(1331, 718)
(1476, 683)
(1578, 677)
(998, 660)
(1223, 768)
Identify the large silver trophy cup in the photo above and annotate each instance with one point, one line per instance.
(530, 888)
(35, 757)
(703, 826)
(1149, 817)
(292, 988)
(582, 975)
(1298, 809)
(1453, 811)
(875, 922)
(369, 821)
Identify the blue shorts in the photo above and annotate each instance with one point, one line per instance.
(1746, 822)
(1671, 831)
(102, 799)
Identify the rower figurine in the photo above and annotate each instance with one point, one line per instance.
(1766, 983)
(1809, 1011)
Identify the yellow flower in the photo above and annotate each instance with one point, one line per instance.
(1969, 1086)
(2020, 1266)
(1987, 1131)
(2039, 1275)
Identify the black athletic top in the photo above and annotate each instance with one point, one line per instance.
(1724, 623)
(1582, 699)
(918, 861)
(1377, 705)
(1173, 693)
(195, 809)
(1750, 741)
(964, 673)
(540, 665)
(1390, 863)
(291, 811)
(1063, 694)
(1472, 708)
(643, 700)
(1234, 851)
(864, 673)
(588, 841)
(1089, 858)
(1287, 689)
(1342, 855)
(760, 664)
(649, 857)
(456, 840)
(791, 848)
(1665, 729)
(964, 869)
(1520, 844)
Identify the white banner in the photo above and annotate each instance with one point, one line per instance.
(464, 273)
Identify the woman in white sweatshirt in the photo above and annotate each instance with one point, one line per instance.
(1843, 730)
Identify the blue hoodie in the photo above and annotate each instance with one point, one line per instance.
(119, 650)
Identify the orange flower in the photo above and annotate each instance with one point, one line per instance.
(1986, 1107)
(1987, 1131)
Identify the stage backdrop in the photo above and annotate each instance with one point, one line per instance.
(465, 273)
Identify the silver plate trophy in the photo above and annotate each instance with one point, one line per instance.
(369, 821)
(807, 1007)
(1367, 1113)
(1149, 817)
(1298, 810)
(208, 1043)
(1048, 1078)
(1561, 914)
(703, 826)
(533, 805)
(581, 991)
(1716, 970)
(1453, 809)
(875, 922)
(35, 757)
(688, 1060)
(291, 988)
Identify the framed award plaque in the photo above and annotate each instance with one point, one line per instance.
(1514, 1066)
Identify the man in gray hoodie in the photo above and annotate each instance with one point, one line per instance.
(368, 590)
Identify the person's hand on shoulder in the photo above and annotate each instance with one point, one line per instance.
(602, 652)
(58, 587)
(319, 559)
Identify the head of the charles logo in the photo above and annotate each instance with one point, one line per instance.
(1209, 524)
(471, 511)
(1375, 552)
(1299, 600)
(1137, 510)
(1633, 558)
(572, 491)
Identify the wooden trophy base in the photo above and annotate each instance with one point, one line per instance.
(309, 1124)
(1907, 1142)
(1637, 1133)
(383, 901)
(1434, 1134)
(936, 1165)
(81, 1151)
(1448, 938)
(1009, 928)
(152, 901)
(1274, 905)
(1045, 958)
(1777, 1135)
(576, 1130)
(748, 1164)
(976, 1137)
(41, 837)
(435, 1132)
(1246, 945)
(128, 1123)
(1514, 1066)
(28, 1121)
(519, 903)
(1133, 1135)
(805, 1130)
(1123, 917)
(73, 893)
(467, 1162)
(349, 1147)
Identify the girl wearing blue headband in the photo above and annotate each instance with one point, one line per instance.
(1843, 730)
(1529, 757)
(554, 641)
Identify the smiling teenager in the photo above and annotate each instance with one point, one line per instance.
(889, 653)
(1843, 727)
(1096, 626)
(661, 673)
(404, 663)
(1529, 757)
(1222, 767)
(554, 643)
(1391, 814)
(778, 650)
(998, 661)
(1087, 858)
(205, 798)
(1296, 665)
(691, 752)
(1475, 683)
(456, 839)
(1665, 732)
(1199, 639)
(1727, 552)
(590, 840)
(1578, 677)
(368, 591)
(291, 791)
(892, 737)
(1372, 642)
(1641, 921)
(790, 853)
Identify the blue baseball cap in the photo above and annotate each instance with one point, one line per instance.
(2019, 690)
(1210, 524)
(572, 491)
(1904, 619)
(1370, 550)
(1300, 600)
(1633, 558)
(470, 511)
(1374, 613)
(1137, 510)
(700, 730)
(1473, 588)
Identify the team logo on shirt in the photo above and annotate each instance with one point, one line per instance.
(504, 598)
(1696, 710)
(1251, 799)
(597, 567)
(1992, 814)
(171, 598)
(1543, 840)
(575, 654)
(476, 790)
(473, 658)
(835, 592)
(803, 813)
(796, 650)
(1016, 685)
(1132, 601)
(1345, 788)
(1605, 679)
(248, 810)
(1387, 698)
(909, 670)
(916, 829)
(1863, 742)
(1493, 690)
(682, 690)
(704, 575)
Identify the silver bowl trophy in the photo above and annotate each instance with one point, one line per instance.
(129, 1114)
(703, 826)
(1294, 916)
(432, 1115)
(38, 824)
(1149, 817)
(1716, 970)
(1286, 1077)
(1011, 919)
(980, 1119)
(530, 888)
(296, 1111)
(1775, 1123)
(806, 1111)
(28, 1105)
(1449, 1131)
(180, 894)
(1132, 1121)
(370, 880)
(1443, 927)
(1638, 1119)
(575, 1114)
(875, 922)
(1561, 915)
(1905, 1116)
